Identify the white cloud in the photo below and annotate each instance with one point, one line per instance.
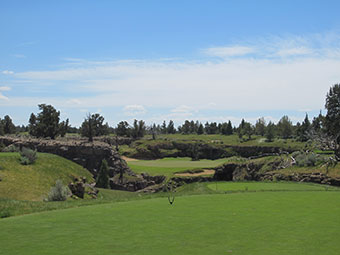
(7, 72)
(19, 56)
(230, 51)
(5, 88)
(298, 51)
(182, 109)
(285, 75)
(2, 97)
(134, 110)
(239, 84)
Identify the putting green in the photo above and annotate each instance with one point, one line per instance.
(168, 166)
(239, 223)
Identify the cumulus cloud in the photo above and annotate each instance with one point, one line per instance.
(134, 110)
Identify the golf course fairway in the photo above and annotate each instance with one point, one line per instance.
(305, 222)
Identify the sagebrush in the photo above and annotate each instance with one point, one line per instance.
(59, 192)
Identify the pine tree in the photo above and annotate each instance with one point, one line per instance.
(270, 131)
(229, 128)
(200, 130)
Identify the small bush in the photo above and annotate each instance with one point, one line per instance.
(311, 159)
(59, 192)
(11, 148)
(5, 213)
(308, 159)
(28, 156)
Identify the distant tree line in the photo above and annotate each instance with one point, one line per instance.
(325, 129)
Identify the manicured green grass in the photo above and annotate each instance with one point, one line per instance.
(33, 182)
(233, 140)
(239, 223)
(168, 166)
(269, 186)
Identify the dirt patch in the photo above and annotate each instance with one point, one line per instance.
(205, 172)
(128, 159)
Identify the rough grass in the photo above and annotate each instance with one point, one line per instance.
(11, 207)
(239, 223)
(168, 166)
(33, 182)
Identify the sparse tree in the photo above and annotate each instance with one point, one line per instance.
(200, 129)
(260, 127)
(93, 125)
(171, 128)
(63, 127)
(270, 129)
(46, 123)
(285, 127)
(248, 130)
(229, 128)
(332, 118)
(32, 126)
(1, 128)
(8, 125)
(302, 130)
(138, 129)
(163, 128)
(122, 128)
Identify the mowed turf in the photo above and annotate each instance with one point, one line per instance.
(239, 223)
(168, 166)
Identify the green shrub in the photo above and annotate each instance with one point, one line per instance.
(28, 156)
(308, 159)
(11, 148)
(311, 159)
(103, 176)
(59, 192)
(5, 213)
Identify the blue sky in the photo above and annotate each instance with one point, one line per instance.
(162, 60)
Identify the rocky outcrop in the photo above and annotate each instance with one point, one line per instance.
(251, 172)
(88, 155)
(138, 182)
(237, 172)
(315, 177)
(192, 179)
(79, 187)
(199, 150)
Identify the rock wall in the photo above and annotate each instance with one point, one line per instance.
(200, 150)
(88, 155)
(250, 172)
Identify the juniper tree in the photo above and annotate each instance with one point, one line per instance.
(103, 176)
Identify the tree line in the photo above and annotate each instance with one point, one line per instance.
(47, 123)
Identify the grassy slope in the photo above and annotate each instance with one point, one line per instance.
(240, 223)
(33, 182)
